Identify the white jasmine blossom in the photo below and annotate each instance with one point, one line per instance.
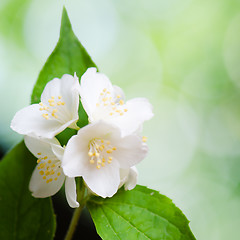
(48, 176)
(98, 152)
(103, 101)
(57, 110)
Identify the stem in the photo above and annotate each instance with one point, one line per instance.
(74, 223)
(82, 201)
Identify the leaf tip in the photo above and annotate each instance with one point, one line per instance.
(65, 23)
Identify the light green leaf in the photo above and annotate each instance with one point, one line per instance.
(140, 214)
(21, 215)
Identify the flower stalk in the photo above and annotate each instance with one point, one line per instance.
(82, 199)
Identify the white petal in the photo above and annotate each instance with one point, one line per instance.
(138, 111)
(104, 181)
(119, 92)
(71, 194)
(40, 146)
(130, 150)
(58, 151)
(131, 181)
(70, 92)
(75, 157)
(123, 176)
(41, 189)
(92, 84)
(67, 88)
(29, 121)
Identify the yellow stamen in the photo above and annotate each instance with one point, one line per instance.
(42, 165)
(144, 139)
(45, 115)
(90, 154)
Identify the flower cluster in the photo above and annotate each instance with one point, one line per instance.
(104, 153)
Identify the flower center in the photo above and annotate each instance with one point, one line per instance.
(100, 152)
(54, 109)
(113, 105)
(49, 169)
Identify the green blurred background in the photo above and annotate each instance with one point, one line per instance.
(182, 55)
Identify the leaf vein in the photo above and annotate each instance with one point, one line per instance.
(111, 226)
(129, 223)
(155, 214)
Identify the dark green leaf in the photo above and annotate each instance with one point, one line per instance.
(141, 213)
(21, 215)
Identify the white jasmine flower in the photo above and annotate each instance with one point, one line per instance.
(57, 110)
(103, 101)
(48, 176)
(98, 152)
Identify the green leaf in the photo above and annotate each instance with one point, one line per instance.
(68, 57)
(141, 213)
(21, 215)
